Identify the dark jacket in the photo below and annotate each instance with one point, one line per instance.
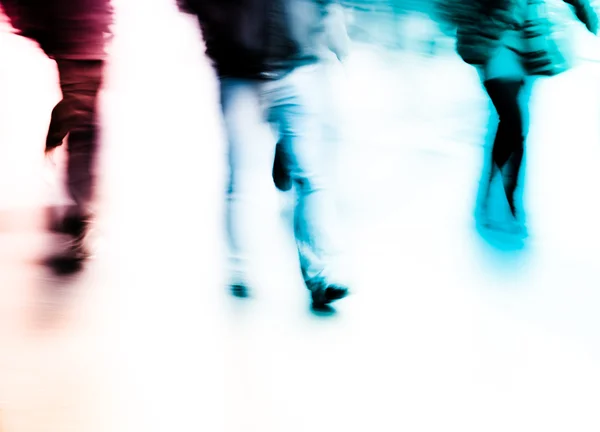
(260, 38)
(65, 29)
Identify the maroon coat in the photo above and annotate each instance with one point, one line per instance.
(64, 29)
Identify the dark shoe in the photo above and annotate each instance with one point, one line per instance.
(281, 176)
(70, 220)
(323, 294)
(74, 226)
(240, 291)
(77, 229)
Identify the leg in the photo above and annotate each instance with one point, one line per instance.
(76, 115)
(496, 158)
(251, 146)
(296, 108)
(508, 148)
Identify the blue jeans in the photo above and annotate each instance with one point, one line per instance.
(255, 113)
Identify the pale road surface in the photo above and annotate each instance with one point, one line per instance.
(444, 331)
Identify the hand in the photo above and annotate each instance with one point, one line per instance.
(50, 156)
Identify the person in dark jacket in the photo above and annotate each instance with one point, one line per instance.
(497, 36)
(74, 34)
(266, 54)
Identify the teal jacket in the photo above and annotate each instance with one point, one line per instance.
(483, 26)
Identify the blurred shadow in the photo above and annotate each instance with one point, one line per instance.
(503, 263)
(240, 292)
(55, 291)
(323, 311)
(63, 264)
(501, 240)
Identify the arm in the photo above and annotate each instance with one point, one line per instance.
(586, 13)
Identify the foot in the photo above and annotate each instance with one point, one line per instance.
(240, 290)
(69, 224)
(482, 216)
(516, 227)
(323, 293)
(71, 257)
(512, 227)
(77, 229)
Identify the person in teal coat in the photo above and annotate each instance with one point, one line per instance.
(501, 38)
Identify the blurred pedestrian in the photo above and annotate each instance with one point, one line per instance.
(266, 54)
(507, 41)
(74, 34)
